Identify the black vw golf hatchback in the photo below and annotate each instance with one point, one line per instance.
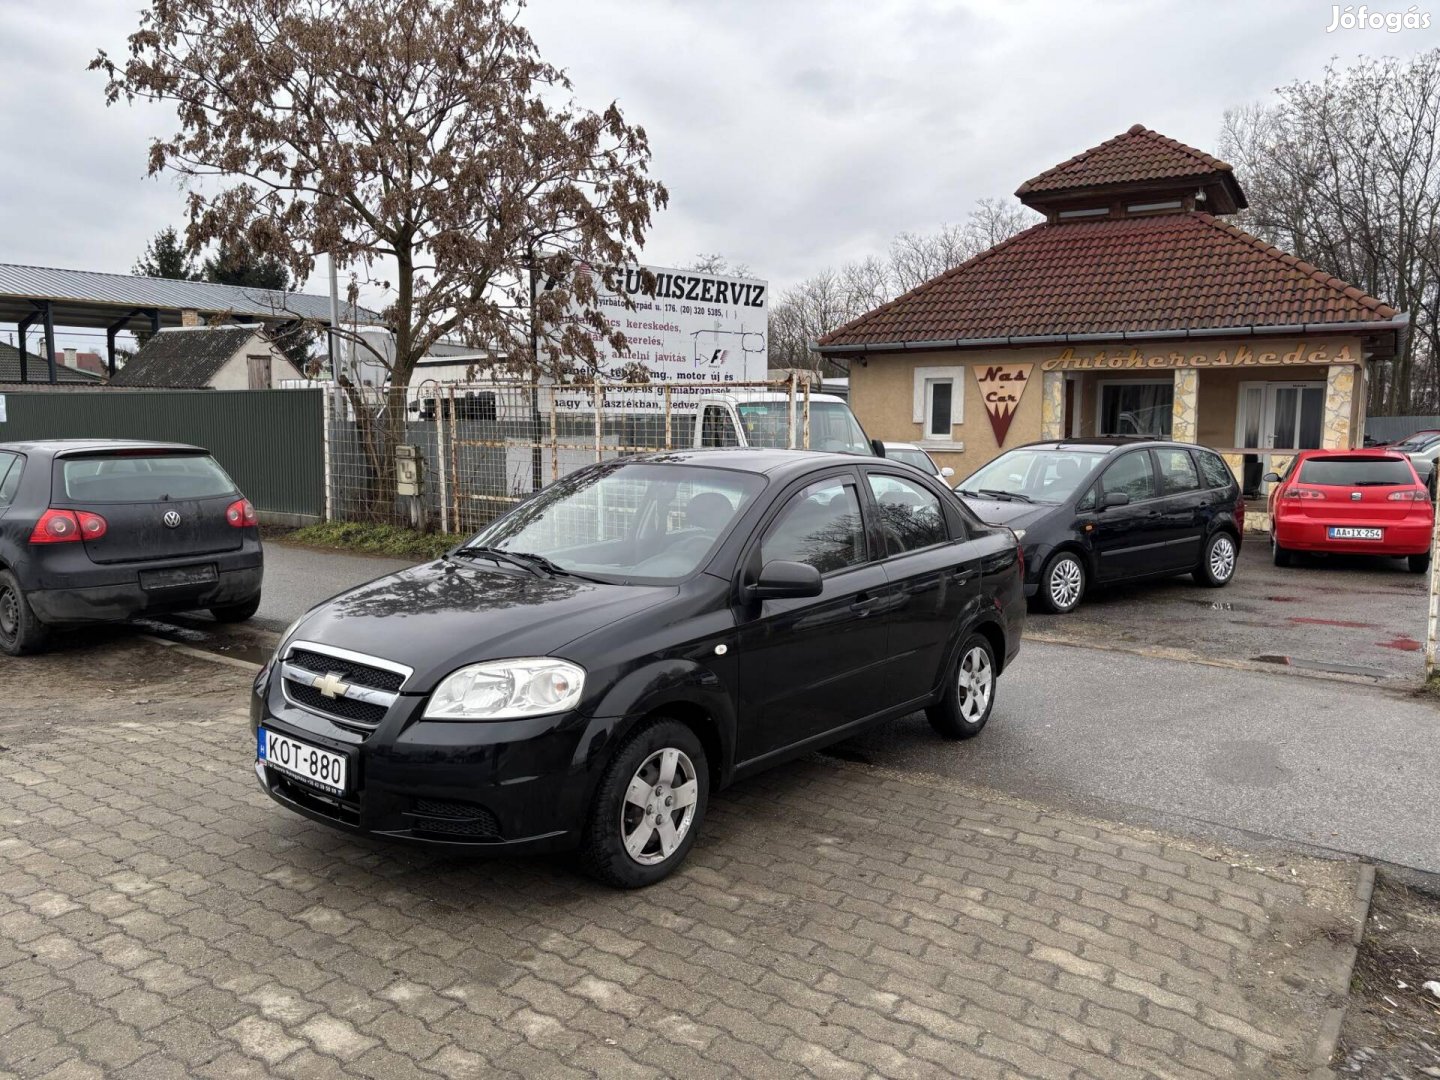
(1107, 510)
(585, 671)
(103, 530)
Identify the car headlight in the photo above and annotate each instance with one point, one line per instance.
(507, 689)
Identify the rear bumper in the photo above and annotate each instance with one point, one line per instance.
(1401, 538)
(127, 600)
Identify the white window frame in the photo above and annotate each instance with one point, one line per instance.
(1100, 396)
(925, 377)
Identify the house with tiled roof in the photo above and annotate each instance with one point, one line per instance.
(208, 358)
(1134, 308)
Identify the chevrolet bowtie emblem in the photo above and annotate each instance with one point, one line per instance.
(330, 685)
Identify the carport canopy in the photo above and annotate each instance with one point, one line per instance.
(31, 295)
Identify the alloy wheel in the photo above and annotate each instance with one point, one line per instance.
(1222, 559)
(9, 613)
(659, 806)
(1066, 579)
(976, 684)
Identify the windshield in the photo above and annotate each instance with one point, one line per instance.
(130, 477)
(1418, 442)
(832, 426)
(1356, 472)
(1042, 476)
(626, 520)
(907, 456)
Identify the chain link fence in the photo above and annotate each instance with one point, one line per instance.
(482, 448)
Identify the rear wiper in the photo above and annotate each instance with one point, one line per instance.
(996, 493)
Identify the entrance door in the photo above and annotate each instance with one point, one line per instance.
(1281, 416)
(259, 372)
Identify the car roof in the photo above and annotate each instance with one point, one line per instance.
(742, 396)
(1360, 452)
(58, 447)
(1099, 442)
(903, 446)
(757, 459)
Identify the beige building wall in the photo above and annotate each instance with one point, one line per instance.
(882, 391)
(235, 373)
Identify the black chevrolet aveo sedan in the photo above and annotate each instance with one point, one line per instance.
(103, 530)
(586, 670)
(1106, 510)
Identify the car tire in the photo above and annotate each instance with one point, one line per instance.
(1419, 563)
(969, 696)
(233, 613)
(1217, 562)
(620, 844)
(21, 633)
(1278, 555)
(1062, 583)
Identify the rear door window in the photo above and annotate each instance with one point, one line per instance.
(910, 515)
(1177, 471)
(1356, 472)
(122, 478)
(10, 468)
(1216, 472)
(1130, 475)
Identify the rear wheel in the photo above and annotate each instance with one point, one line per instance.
(1279, 555)
(20, 631)
(969, 692)
(1062, 584)
(648, 807)
(232, 613)
(1217, 564)
(1419, 563)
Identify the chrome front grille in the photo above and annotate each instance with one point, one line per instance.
(351, 689)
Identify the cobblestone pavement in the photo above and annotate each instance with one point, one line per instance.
(160, 917)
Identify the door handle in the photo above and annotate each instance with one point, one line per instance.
(865, 605)
(959, 577)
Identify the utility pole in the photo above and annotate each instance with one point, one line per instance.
(334, 319)
(1433, 629)
(537, 469)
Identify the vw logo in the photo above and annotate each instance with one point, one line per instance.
(171, 519)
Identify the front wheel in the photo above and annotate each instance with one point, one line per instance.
(969, 692)
(1062, 584)
(20, 631)
(1419, 563)
(648, 808)
(1217, 564)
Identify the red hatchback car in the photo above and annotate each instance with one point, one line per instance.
(1351, 502)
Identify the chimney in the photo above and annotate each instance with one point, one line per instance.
(189, 317)
(69, 360)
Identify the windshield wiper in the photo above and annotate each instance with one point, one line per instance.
(967, 491)
(502, 556)
(996, 493)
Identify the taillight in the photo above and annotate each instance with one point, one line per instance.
(1303, 493)
(240, 514)
(1410, 495)
(64, 526)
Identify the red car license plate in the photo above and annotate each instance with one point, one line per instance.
(1349, 532)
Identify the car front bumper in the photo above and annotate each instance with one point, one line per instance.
(117, 602)
(499, 786)
(1401, 538)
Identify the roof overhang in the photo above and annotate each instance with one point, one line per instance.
(1396, 328)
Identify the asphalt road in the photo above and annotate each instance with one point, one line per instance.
(1199, 749)
(1190, 747)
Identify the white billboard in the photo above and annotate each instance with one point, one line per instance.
(695, 327)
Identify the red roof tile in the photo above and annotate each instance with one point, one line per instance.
(1137, 155)
(1168, 272)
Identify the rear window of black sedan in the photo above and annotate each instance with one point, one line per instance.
(129, 477)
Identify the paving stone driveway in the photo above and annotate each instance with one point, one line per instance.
(160, 917)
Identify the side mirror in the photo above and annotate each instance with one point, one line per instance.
(1114, 498)
(877, 446)
(781, 580)
(946, 473)
(1271, 478)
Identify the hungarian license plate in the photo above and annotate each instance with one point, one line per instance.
(1347, 532)
(177, 577)
(309, 763)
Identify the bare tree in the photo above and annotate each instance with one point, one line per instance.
(831, 298)
(419, 137)
(1345, 172)
(718, 265)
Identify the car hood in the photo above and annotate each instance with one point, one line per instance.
(439, 616)
(1015, 515)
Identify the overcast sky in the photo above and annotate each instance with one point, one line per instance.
(792, 134)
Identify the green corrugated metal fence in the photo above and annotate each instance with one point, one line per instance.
(270, 441)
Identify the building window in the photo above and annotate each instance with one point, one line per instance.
(1136, 408)
(939, 402)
